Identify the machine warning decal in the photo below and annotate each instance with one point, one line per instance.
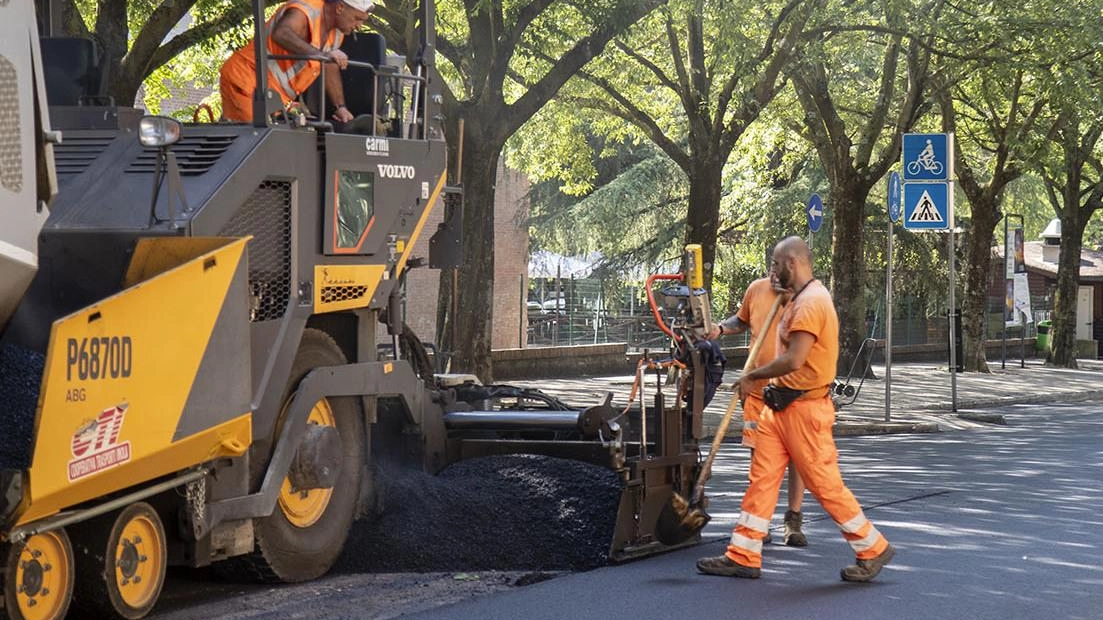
(95, 444)
(98, 358)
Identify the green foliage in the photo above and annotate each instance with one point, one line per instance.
(633, 217)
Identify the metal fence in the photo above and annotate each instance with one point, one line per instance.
(575, 311)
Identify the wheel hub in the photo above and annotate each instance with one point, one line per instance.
(33, 577)
(128, 559)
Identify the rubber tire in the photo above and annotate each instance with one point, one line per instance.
(287, 553)
(96, 594)
(10, 603)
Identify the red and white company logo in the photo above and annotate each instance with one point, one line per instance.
(96, 446)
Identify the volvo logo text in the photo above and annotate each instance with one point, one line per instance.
(391, 171)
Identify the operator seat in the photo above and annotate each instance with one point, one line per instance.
(75, 70)
(359, 82)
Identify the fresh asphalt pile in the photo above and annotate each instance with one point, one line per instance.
(517, 512)
(20, 378)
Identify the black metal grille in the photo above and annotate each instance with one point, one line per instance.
(267, 216)
(334, 294)
(11, 167)
(76, 153)
(194, 154)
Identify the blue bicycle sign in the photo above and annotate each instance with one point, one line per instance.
(926, 157)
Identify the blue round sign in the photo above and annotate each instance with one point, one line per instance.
(814, 213)
(894, 197)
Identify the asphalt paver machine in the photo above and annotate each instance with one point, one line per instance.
(191, 329)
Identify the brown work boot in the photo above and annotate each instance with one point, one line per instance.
(793, 536)
(723, 566)
(866, 570)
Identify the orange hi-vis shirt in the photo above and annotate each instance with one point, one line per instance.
(811, 311)
(757, 301)
(289, 78)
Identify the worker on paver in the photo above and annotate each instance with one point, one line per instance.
(796, 425)
(757, 300)
(300, 27)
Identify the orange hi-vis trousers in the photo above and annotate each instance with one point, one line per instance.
(752, 411)
(801, 434)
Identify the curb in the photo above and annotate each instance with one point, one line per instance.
(1036, 399)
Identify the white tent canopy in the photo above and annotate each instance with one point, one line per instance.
(545, 264)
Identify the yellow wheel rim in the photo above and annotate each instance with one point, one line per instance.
(139, 556)
(42, 577)
(303, 508)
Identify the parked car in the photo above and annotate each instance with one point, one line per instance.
(554, 306)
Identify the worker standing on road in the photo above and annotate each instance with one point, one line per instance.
(797, 426)
(752, 314)
(299, 27)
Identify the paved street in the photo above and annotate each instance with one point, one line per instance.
(993, 523)
(998, 521)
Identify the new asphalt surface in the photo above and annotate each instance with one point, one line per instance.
(994, 511)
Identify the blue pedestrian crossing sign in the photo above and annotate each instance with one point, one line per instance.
(926, 157)
(894, 197)
(814, 211)
(927, 206)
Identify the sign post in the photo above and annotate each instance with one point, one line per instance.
(894, 216)
(929, 205)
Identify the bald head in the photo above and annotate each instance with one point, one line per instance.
(795, 248)
(791, 266)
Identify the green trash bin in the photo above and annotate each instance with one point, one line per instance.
(1042, 341)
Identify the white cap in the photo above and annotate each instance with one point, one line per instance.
(363, 5)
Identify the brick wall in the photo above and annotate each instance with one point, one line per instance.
(511, 259)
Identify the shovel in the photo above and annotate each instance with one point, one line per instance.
(682, 519)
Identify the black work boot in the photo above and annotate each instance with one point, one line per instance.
(724, 567)
(793, 536)
(866, 570)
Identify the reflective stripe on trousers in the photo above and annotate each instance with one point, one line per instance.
(801, 434)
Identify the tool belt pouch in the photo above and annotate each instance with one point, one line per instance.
(779, 397)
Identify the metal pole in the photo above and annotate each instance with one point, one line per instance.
(888, 328)
(1022, 330)
(1006, 256)
(953, 317)
(953, 270)
(260, 43)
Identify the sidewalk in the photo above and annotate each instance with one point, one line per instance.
(920, 402)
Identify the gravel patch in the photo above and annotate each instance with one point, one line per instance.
(506, 513)
(20, 378)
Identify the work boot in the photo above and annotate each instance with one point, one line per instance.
(866, 570)
(723, 566)
(793, 536)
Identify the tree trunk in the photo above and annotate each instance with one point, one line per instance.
(1063, 334)
(473, 321)
(848, 264)
(703, 216)
(978, 266)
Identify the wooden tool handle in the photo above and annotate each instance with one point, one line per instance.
(718, 438)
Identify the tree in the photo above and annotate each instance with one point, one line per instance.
(856, 129)
(133, 34)
(504, 61)
(711, 66)
(998, 112)
(1073, 176)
